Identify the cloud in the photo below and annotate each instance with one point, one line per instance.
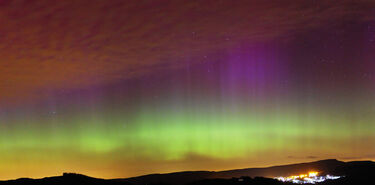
(361, 157)
(305, 157)
(70, 44)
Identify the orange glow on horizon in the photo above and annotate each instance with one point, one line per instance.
(303, 176)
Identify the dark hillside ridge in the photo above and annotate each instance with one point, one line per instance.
(329, 166)
(355, 172)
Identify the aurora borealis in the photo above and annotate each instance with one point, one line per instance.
(117, 88)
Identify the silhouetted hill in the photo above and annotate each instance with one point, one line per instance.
(66, 179)
(323, 166)
(356, 172)
(240, 181)
(330, 166)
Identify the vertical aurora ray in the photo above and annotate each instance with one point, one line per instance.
(137, 89)
(238, 109)
(156, 136)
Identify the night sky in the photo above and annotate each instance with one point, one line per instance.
(123, 88)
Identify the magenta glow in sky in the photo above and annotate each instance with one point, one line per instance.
(119, 88)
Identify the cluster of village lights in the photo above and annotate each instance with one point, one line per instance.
(309, 178)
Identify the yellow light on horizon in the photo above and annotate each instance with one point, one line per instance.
(313, 174)
(302, 176)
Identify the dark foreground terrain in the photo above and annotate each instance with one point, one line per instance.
(355, 173)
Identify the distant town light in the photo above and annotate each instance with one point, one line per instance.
(309, 178)
(313, 174)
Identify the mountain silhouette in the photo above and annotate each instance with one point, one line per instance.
(356, 172)
(329, 166)
(65, 179)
